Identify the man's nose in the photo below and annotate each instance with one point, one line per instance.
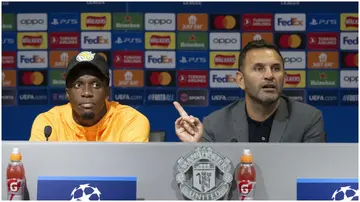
(268, 74)
(87, 91)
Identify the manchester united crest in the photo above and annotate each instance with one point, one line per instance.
(204, 174)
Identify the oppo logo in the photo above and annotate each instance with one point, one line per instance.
(159, 21)
(224, 41)
(351, 79)
(292, 59)
(31, 21)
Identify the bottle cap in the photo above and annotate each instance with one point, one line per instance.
(15, 155)
(246, 156)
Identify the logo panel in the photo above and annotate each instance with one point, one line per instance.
(192, 22)
(257, 22)
(349, 59)
(160, 78)
(32, 40)
(349, 97)
(33, 97)
(8, 59)
(223, 79)
(290, 40)
(96, 21)
(129, 59)
(224, 60)
(128, 78)
(160, 40)
(58, 97)
(32, 59)
(323, 41)
(295, 79)
(64, 40)
(8, 22)
(64, 22)
(224, 41)
(128, 41)
(224, 97)
(298, 95)
(8, 97)
(323, 60)
(192, 60)
(290, 22)
(322, 22)
(96, 40)
(128, 21)
(349, 79)
(225, 22)
(349, 21)
(160, 21)
(192, 78)
(192, 41)
(57, 78)
(323, 97)
(251, 36)
(323, 79)
(160, 59)
(32, 22)
(349, 40)
(160, 97)
(9, 41)
(126, 97)
(193, 97)
(32, 78)
(60, 59)
(294, 59)
(9, 78)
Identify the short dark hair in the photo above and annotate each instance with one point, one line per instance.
(256, 44)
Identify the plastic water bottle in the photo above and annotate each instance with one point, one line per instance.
(15, 174)
(246, 176)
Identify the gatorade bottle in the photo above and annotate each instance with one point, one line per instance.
(246, 176)
(15, 174)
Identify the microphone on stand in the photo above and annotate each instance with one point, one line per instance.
(47, 132)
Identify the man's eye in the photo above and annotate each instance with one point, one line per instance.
(77, 85)
(96, 85)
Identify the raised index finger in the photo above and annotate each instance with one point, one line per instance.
(181, 110)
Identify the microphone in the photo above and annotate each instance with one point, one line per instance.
(233, 140)
(47, 132)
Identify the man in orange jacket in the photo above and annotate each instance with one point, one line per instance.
(89, 116)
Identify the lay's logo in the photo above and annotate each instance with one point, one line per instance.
(32, 40)
(95, 21)
(349, 21)
(160, 40)
(224, 60)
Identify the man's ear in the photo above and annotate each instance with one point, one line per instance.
(240, 80)
(67, 93)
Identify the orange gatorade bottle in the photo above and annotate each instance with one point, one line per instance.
(246, 176)
(15, 174)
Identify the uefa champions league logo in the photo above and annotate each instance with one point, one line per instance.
(85, 192)
(345, 194)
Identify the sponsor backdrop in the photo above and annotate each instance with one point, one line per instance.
(162, 52)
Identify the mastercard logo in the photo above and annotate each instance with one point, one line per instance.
(160, 78)
(351, 60)
(290, 41)
(32, 78)
(228, 22)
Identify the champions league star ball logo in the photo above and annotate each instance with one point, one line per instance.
(209, 174)
(345, 194)
(85, 192)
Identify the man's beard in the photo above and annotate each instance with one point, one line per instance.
(88, 116)
(264, 100)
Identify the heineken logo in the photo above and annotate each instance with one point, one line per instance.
(209, 173)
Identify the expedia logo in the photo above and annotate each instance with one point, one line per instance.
(95, 21)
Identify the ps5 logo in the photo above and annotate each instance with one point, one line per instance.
(192, 60)
(8, 41)
(57, 21)
(127, 40)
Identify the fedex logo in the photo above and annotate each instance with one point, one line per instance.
(349, 40)
(160, 59)
(95, 40)
(290, 22)
(32, 59)
(223, 79)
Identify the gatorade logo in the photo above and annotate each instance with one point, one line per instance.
(15, 188)
(246, 189)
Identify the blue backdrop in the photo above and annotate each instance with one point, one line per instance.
(341, 119)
